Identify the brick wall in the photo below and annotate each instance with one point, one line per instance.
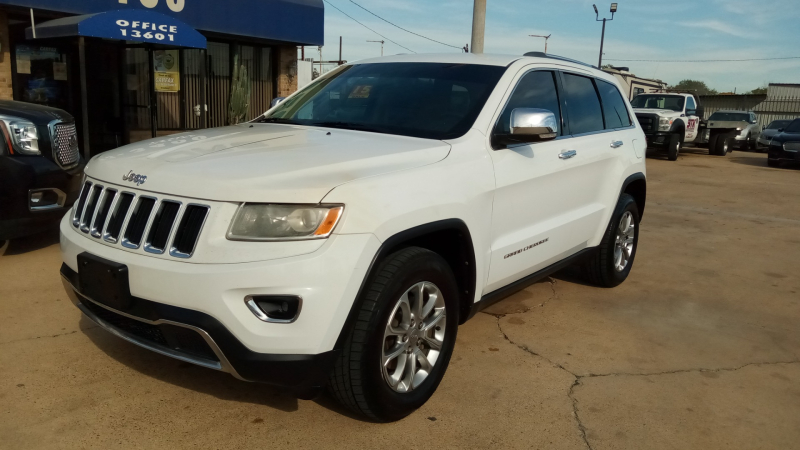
(6, 91)
(287, 70)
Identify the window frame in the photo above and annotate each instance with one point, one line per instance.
(564, 126)
(594, 80)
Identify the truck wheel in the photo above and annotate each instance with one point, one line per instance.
(612, 263)
(674, 147)
(397, 351)
(712, 144)
(722, 145)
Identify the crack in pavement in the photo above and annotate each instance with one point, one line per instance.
(578, 378)
(48, 336)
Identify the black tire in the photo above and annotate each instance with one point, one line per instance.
(749, 143)
(773, 163)
(712, 144)
(673, 147)
(722, 145)
(601, 268)
(357, 379)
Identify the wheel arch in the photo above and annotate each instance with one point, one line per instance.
(450, 239)
(636, 186)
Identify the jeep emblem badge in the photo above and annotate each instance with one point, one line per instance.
(134, 178)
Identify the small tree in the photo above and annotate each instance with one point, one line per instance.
(760, 91)
(696, 86)
(240, 93)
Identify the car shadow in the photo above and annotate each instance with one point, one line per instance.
(199, 379)
(31, 243)
(572, 274)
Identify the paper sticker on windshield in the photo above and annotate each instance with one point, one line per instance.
(360, 91)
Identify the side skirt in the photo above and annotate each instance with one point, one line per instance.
(495, 296)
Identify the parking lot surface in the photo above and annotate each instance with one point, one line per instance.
(699, 348)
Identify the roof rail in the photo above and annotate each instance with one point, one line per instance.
(560, 58)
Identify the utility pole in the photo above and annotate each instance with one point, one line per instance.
(340, 50)
(603, 35)
(478, 25)
(320, 60)
(381, 46)
(545, 40)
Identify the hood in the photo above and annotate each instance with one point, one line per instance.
(769, 132)
(660, 112)
(786, 137)
(261, 162)
(38, 114)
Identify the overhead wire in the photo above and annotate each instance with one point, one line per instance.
(407, 31)
(370, 29)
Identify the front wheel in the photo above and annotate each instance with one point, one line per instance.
(612, 263)
(722, 145)
(397, 351)
(674, 147)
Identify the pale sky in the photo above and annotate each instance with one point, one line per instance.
(641, 29)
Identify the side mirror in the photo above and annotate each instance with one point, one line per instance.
(533, 125)
(275, 101)
(763, 127)
(700, 111)
(780, 130)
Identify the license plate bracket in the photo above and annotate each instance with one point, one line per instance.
(104, 281)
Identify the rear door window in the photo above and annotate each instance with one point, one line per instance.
(614, 109)
(585, 113)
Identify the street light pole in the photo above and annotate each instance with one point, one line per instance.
(545, 40)
(381, 46)
(478, 25)
(603, 34)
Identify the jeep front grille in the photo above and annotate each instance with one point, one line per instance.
(65, 144)
(135, 221)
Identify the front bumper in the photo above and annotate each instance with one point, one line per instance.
(777, 153)
(209, 301)
(657, 138)
(20, 176)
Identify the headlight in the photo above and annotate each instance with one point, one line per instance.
(264, 222)
(791, 146)
(664, 124)
(23, 135)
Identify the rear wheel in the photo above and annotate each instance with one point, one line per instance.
(612, 263)
(397, 352)
(674, 147)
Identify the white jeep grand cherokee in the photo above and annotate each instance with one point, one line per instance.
(340, 239)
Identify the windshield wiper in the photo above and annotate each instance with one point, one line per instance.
(277, 120)
(345, 126)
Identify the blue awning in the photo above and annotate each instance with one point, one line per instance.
(127, 25)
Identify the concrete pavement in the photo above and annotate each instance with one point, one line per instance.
(700, 348)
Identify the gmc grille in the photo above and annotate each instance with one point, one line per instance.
(135, 221)
(65, 144)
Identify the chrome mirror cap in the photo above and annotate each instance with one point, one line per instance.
(534, 122)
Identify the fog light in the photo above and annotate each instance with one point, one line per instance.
(42, 199)
(274, 308)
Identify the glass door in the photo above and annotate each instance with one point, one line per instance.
(140, 123)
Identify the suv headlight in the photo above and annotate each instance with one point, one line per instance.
(23, 135)
(791, 146)
(266, 222)
(664, 124)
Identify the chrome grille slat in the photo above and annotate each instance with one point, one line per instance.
(81, 203)
(98, 207)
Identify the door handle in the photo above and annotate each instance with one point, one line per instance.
(616, 144)
(567, 154)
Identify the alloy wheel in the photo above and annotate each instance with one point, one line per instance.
(414, 336)
(623, 245)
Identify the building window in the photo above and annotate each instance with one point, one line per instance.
(42, 75)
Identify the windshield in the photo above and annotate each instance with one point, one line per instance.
(426, 100)
(775, 124)
(730, 117)
(793, 127)
(673, 102)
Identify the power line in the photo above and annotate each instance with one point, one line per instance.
(703, 60)
(407, 31)
(370, 29)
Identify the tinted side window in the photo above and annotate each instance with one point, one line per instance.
(535, 90)
(690, 103)
(585, 114)
(614, 109)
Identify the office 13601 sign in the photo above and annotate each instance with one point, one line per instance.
(142, 26)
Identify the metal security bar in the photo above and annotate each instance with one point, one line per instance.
(134, 221)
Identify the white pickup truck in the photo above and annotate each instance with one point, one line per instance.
(668, 120)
